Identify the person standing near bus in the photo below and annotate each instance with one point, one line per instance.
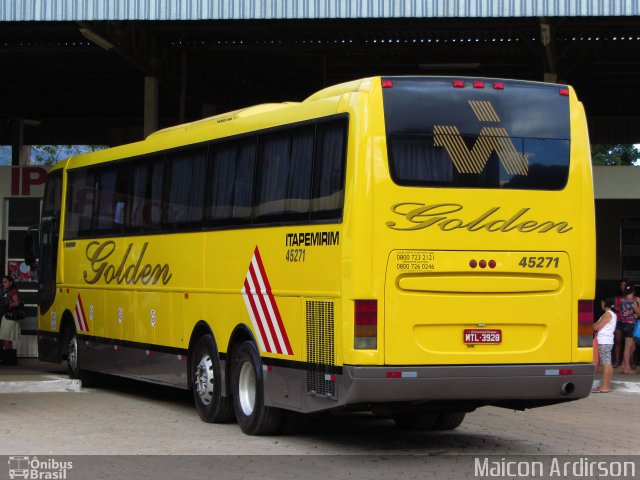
(629, 312)
(9, 328)
(605, 328)
(618, 337)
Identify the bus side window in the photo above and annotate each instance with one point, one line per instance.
(153, 199)
(329, 165)
(244, 182)
(185, 180)
(81, 188)
(112, 186)
(137, 201)
(230, 182)
(221, 182)
(284, 174)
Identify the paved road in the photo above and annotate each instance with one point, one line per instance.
(129, 418)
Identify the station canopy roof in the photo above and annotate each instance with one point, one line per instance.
(75, 70)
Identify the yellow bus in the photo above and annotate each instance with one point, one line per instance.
(417, 247)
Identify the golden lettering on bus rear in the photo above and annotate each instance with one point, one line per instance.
(441, 215)
(102, 266)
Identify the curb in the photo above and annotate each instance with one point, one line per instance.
(626, 387)
(46, 386)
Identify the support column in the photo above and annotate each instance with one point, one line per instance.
(150, 105)
(17, 140)
(546, 37)
(183, 89)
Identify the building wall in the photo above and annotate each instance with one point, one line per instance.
(21, 189)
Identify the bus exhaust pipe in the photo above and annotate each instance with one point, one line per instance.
(567, 388)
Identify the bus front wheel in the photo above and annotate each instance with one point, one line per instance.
(205, 382)
(70, 340)
(248, 393)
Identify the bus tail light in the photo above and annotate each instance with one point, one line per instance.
(585, 323)
(365, 325)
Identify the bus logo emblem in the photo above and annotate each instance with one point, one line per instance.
(263, 309)
(491, 139)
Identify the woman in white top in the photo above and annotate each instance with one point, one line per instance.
(605, 328)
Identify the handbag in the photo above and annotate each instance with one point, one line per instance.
(636, 332)
(16, 313)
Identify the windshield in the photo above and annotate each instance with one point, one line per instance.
(513, 136)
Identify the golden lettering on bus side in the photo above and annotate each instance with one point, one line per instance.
(123, 271)
(419, 216)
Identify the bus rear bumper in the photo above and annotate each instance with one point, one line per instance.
(489, 384)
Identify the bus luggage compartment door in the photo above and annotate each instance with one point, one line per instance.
(467, 307)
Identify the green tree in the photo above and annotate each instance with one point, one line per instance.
(51, 154)
(621, 154)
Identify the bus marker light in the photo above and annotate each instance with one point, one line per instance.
(402, 374)
(492, 264)
(567, 371)
(458, 84)
(473, 263)
(564, 92)
(387, 84)
(186, 296)
(478, 84)
(329, 377)
(498, 85)
(483, 264)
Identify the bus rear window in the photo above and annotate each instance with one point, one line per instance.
(512, 138)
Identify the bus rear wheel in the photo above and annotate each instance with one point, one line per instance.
(206, 385)
(416, 421)
(253, 416)
(449, 420)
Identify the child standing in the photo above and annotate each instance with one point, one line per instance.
(605, 328)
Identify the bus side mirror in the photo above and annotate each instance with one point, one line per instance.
(31, 246)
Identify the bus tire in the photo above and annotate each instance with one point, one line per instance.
(253, 416)
(206, 383)
(70, 342)
(449, 420)
(416, 421)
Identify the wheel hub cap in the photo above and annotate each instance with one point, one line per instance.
(204, 379)
(247, 388)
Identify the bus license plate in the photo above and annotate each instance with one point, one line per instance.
(473, 336)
